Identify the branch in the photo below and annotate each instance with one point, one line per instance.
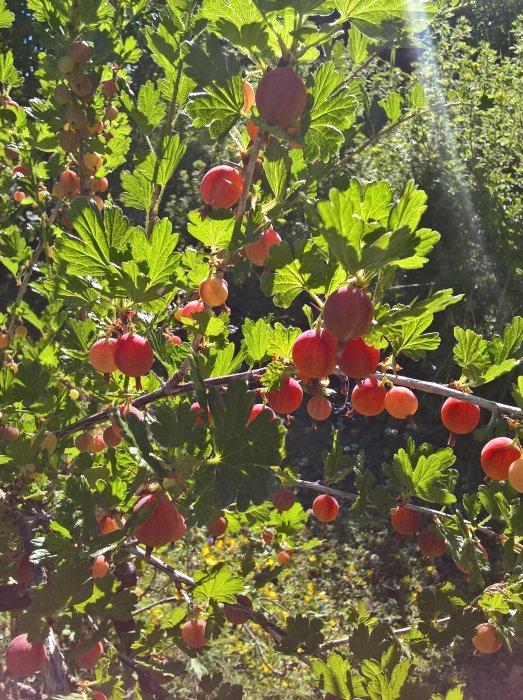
(170, 388)
(316, 486)
(259, 647)
(442, 390)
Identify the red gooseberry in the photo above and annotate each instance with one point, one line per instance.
(258, 251)
(164, 524)
(125, 410)
(358, 359)
(89, 658)
(401, 402)
(9, 433)
(193, 307)
(281, 97)
(18, 196)
(110, 437)
(325, 508)
(100, 566)
(460, 417)
(405, 521)
(314, 353)
(173, 339)
(80, 51)
(107, 524)
(109, 88)
(24, 658)
(283, 499)
(515, 475)
(497, 456)
(287, 398)
(217, 527)
(70, 182)
(257, 409)
(486, 640)
(430, 544)
(369, 398)
(111, 112)
(319, 408)
(232, 614)
(101, 356)
(84, 442)
(221, 186)
(283, 557)
(133, 355)
(213, 291)
(23, 170)
(348, 313)
(193, 634)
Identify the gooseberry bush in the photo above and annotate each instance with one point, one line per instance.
(141, 413)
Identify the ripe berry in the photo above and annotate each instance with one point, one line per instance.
(283, 499)
(369, 398)
(99, 444)
(9, 433)
(164, 524)
(198, 409)
(4, 341)
(283, 557)
(258, 251)
(100, 184)
(70, 182)
(24, 658)
(237, 617)
(515, 474)
(193, 307)
(80, 51)
(430, 544)
(109, 88)
(18, 196)
(325, 508)
(405, 521)
(125, 409)
(88, 659)
(81, 85)
(100, 566)
(11, 152)
(486, 640)
(173, 339)
(314, 353)
(133, 355)
(23, 170)
(98, 695)
(401, 402)
(281, 97)
(111, 112)
(62, 94)
(319, 408)
(358, 359)
(287, 398)
(111, 438)
(193, 634)
(85, 442)
(101, 356)
(217, 527)
(248, 97)
(460, 417)
(348, 313)
(497, 456)
(257, 409)
(92, 162)
(221, 186)
(213, 291)
(20, 331)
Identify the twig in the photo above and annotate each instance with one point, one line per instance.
(170, 388)
(261, 653)
(441, 390)
(316, 486)
(162, 601)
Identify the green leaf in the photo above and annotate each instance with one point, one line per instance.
(423, 472)
(160, 168)
(218, 107)
(335, 676)
(9, 76)
(305, 270)
(392, 105)
(277, 167)
(256, 339)
(333, 110)
(357, 45)
(149, 111)
(367, 14)
(219, 584)
(215, 230)
(301, 632)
